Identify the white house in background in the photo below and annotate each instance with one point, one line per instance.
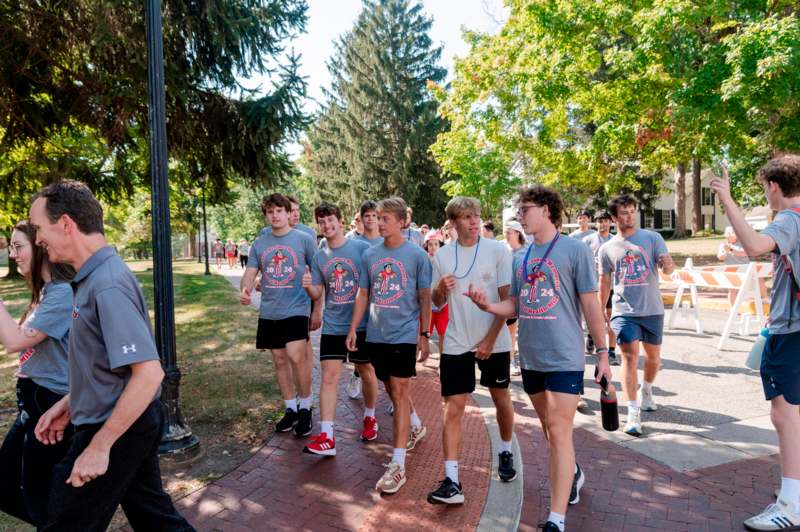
(664, 216)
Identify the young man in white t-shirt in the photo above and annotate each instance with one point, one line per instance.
(472, 336)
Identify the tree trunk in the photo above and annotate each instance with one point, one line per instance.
(680, 201)
(193, 244)
(697, 198)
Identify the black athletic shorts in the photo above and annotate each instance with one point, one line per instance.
(610, 297)
(511, 321)
(457, 372)
(570, 382)
(334, 347)
(275, 334)
(393, 360)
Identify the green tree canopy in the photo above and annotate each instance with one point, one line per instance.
(373, 134)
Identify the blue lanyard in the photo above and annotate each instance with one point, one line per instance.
(538, 266)
(474, 258)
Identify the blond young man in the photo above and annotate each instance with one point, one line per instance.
(397, 291)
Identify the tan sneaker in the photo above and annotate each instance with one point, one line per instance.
(392, 480)
(415, 435)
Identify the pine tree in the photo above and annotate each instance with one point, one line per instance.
(372, 137)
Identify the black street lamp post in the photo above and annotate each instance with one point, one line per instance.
(205, 228)
(177, 439)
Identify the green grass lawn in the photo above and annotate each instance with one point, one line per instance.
(228, 394)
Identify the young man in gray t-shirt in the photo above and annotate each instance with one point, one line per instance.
(115, 378)
(336, 273)
(552, 285)
(282, 256)
(397, 292)
(633, 257)
(780, 365)
(583, 229)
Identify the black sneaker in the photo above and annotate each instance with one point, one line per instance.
(448, 493)
(577, 484)
(506, 469)
(303, 426)
(549, 527)
(613, 360)
(287, 422)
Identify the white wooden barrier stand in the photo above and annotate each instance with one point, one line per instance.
(743, 278)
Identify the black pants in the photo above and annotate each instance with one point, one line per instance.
(133, 479)
(243, 260)
(26, 466)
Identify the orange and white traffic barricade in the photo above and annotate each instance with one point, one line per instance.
(742, 277)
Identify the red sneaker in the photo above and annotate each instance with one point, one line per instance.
(370, 431)
(321, 445)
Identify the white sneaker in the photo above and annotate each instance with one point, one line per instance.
(634, 424)
(414, 436)
(776, 516)
(646, 400)
(582, 404)
(354, 386)
(515, 371)
(393, 479)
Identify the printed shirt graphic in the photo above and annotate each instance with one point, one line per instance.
(282, 261)
(548, 304)
(633, 265)
(394, 277)
(339, 271)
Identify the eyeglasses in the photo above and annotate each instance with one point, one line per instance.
(523, 210)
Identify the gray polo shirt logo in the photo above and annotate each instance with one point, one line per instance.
(342, 277)
(390, 283)
(280, 266)
(540, 292)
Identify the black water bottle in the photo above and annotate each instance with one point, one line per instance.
(608, 406)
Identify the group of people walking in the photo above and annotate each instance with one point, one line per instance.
(86, 436)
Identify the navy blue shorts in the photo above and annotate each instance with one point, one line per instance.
(570, 382)
(647, 329)
(780, 367)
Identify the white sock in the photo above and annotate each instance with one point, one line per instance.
(399, 456)
(505, 446)
(305, 402)
(633, 405)
(369, 412)
(327, 428)
(415, 420)
(790, 492)
(451, 470)
(647, 386)
(558, 519)
(291, 403)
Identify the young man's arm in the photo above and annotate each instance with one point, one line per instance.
(503, 309)
(484, 349)
(424, 298)
(596, 323)
(246, 284)
(753, 242)
(359, 308)
(666, 264)
(605, 289)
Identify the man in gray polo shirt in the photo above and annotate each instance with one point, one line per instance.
(115, 378)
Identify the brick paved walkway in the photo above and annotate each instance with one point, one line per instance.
(281, 488)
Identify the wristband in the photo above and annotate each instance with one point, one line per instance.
(426, 334)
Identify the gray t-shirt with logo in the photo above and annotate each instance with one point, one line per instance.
(371, 241)
(394, 275)
(110, 332)
(595, 241)
(577, 234)
(282, 261)
(633, 261)
(339, 271)
(548, 304)
(46, 363)
(784, 312)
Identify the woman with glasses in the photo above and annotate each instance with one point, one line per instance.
(40, 338)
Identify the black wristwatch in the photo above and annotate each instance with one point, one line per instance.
(426, 334)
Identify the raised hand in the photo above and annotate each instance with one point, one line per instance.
(447, 283)
(478, 296)
(307, 277)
